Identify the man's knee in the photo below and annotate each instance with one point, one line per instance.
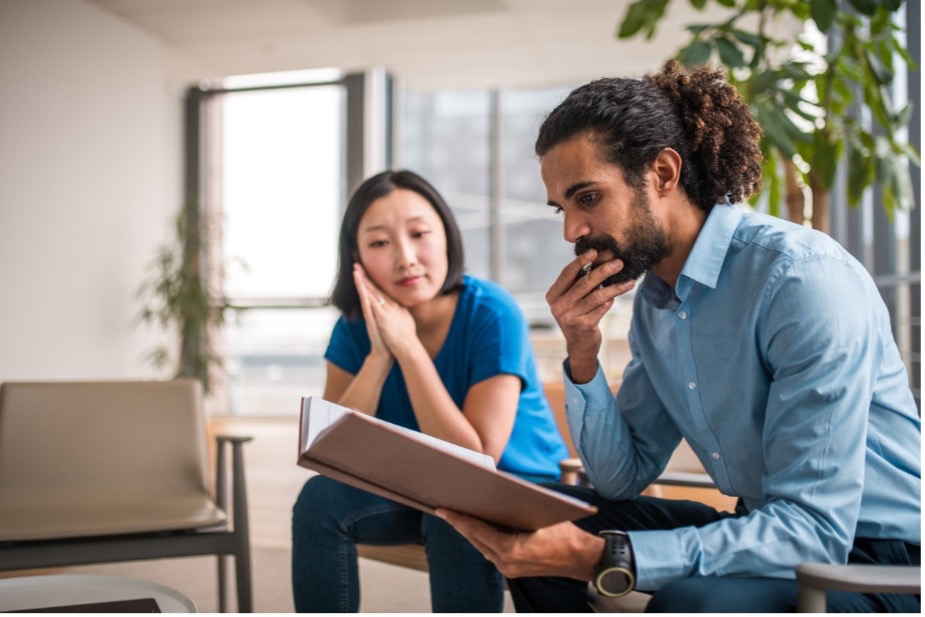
(725, 595)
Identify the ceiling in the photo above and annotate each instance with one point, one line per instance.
(427, 44)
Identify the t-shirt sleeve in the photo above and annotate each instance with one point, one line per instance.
(501, 343)
(349, 346)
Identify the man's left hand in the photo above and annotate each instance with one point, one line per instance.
(558, 550)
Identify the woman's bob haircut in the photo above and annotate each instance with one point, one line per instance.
(345, 296)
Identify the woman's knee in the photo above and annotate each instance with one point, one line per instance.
(315, 506)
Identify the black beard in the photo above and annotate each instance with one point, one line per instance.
(646, 247)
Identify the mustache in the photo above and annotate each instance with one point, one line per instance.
(607, 243)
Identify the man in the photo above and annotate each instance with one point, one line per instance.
(762, 343)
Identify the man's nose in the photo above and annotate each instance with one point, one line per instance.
(574, 227)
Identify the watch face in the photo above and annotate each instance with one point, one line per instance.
(613, 581)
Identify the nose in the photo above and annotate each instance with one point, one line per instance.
(574, 226)
(405, 256)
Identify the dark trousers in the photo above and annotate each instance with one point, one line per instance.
(705, 594)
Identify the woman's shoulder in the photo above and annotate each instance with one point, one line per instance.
(487, 297)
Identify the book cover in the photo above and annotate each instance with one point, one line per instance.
(423, 472)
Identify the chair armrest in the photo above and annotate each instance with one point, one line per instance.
(816, 578)
(238, 486)
(569, 469)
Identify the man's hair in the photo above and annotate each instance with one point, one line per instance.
(345, 296)
(696, 113)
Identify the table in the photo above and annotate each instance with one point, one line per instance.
(67, 592)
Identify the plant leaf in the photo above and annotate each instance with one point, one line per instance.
(823, 12)
(729, 53)
(696, 54)
(865, 7)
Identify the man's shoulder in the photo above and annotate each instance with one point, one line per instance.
(784, 239)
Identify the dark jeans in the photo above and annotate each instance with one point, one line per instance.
(330, 518)
(705, 594)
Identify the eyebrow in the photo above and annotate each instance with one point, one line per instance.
(572, 190)
(413, 219)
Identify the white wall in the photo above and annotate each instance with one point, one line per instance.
(90, 175)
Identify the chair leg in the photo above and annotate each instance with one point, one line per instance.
(242, 565)
(222, 584)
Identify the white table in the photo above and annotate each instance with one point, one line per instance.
(69, 590)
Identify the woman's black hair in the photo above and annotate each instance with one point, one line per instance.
(344, 295)
(696, 113)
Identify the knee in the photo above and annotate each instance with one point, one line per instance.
(314, 507)
(685, 595)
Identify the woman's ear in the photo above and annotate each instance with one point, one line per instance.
(667, 169)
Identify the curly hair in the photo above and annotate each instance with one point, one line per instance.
(697, 113)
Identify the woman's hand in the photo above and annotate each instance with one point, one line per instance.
(390, 325)
(377, 345)
(578, 302)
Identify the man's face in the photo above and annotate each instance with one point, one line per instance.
(601, 210)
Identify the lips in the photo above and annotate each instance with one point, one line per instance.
(408, 281)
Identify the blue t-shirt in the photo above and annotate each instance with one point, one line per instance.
(488, 337)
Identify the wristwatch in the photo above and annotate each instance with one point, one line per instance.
(615, 574)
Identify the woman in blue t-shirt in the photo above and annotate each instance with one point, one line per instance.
(424, 346)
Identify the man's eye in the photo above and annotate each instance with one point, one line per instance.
(587, 199)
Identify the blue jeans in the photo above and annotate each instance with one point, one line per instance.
(330, 518)
(706, 594)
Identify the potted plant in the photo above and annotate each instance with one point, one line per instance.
(176, 294)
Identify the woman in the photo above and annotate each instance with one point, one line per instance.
(424, 346)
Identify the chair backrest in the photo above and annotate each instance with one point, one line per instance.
(93, 457)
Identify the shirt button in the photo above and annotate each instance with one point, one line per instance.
(692, 385)
(574, 401)
(683, 314)
(715, 456)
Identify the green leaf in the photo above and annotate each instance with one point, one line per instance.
(902, 117)
(865, 7)
(824, 161)
(878, 69)
(857, 172)
(730, 55)
(696, 54)
(773, 183)
(698, 4)
(891, 5)
(727, 3)
(775, 131)
(634, 19)
(823, 12)
(747, 38)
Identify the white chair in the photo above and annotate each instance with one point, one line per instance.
(97, 472)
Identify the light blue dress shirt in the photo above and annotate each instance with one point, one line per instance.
(774, 358)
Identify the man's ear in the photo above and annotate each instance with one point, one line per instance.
(667, 170)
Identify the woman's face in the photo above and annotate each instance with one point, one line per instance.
(402, 246)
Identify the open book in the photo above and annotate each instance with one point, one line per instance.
(423, 472)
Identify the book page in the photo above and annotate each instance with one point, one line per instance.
(318, 414)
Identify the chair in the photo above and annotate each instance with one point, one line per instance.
(110, 471)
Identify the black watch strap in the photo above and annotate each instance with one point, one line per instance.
(615, 574)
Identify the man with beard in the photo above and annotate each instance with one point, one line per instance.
(764, 344)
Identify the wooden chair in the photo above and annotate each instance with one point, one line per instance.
(99, 472)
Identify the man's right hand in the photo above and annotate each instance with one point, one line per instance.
(578, 303)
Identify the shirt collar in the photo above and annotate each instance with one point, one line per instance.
(704, 263)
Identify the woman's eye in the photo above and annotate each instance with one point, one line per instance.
(557, 210)
(420, 234)
(377, 243)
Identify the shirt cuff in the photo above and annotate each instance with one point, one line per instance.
(658, 556)
(594, 396)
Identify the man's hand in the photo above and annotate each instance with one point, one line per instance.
(578, 302)
(559, 550)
